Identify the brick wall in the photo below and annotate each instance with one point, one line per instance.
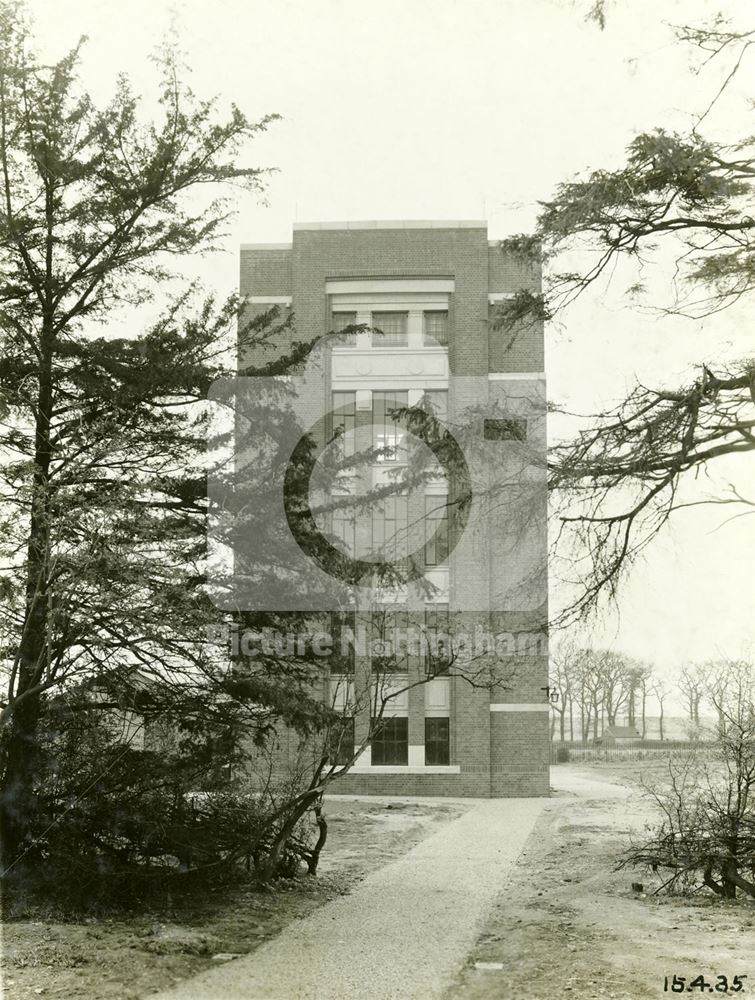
(499, 753)
(265, 271)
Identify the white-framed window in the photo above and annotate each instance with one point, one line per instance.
(437, 530)
(389, 435)
(343, 417)
(435, 328)
(390, 525)
(390, 329)
(341, 321)
(438, 740)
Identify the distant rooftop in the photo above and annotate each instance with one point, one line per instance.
(398, 224)
(375, 224)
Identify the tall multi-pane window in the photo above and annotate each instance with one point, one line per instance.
(437, 741)
(341, 321)
(343, 627)
(343, 421)
(343, 520)
(437, 530)
(437, 400)
(390, 526)
(389, 635)
(389, 329)
(436, 329)
(437, 639)
(390, 741)
(388, 434)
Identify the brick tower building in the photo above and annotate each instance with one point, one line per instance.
(427, 295)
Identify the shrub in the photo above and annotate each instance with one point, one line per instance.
(122, 828)
(705, 834)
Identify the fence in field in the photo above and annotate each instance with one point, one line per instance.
(587, 751)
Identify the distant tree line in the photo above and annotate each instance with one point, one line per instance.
(594, 687)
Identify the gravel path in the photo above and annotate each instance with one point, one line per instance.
(570, 779)
(401, 935)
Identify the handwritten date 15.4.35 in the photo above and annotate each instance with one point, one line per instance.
(679, 984)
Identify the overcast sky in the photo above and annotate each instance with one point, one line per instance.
(435, 109)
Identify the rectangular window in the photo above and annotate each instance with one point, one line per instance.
(343, 521)
(437, 639)
(390, 741)
(343, 628)
(340, 742)
(389, 329)
(341, 321)
(436, 329)
(389, 635)
(390, 528)
(437, 403)
(437, 741)
(510, 429)
(387, 434)
(437, 530)
(343, 421)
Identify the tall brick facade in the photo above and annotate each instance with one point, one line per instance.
(446, 277)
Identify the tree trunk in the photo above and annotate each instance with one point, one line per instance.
(711, 882)
(268, 865)
(322, 826)
(738, 881)
(644, 709)
(17, 798)
(729, 879)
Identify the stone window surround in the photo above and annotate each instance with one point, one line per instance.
(415, 326)
(414, 297)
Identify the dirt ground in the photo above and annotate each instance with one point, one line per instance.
(125, 959)
(567, 924)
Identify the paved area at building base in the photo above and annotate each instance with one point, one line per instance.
(401, 935)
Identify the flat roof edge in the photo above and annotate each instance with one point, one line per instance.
(396, 224)
(267, 246)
